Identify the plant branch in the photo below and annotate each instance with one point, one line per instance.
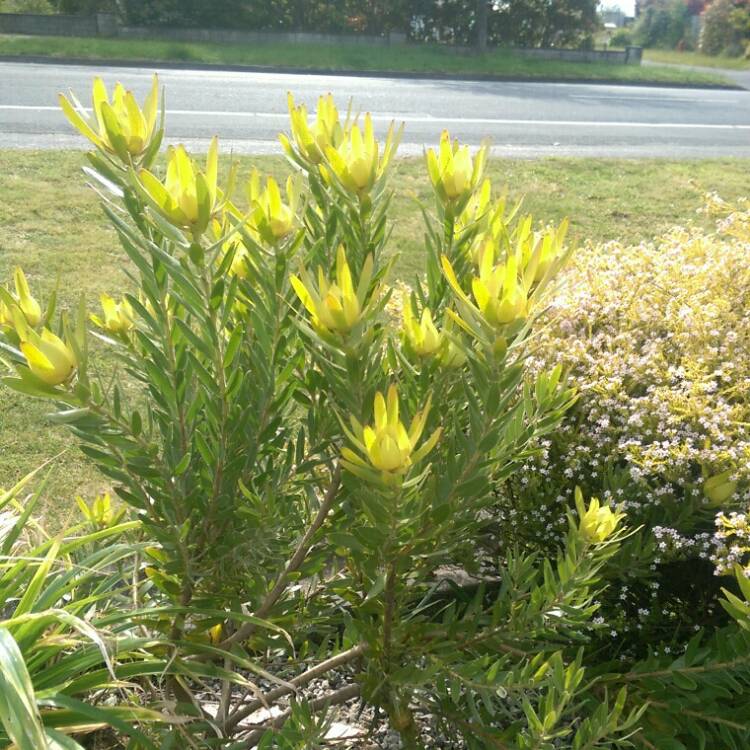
(334, 699)
(244, 710)
(738, 725)
(295, 562)
(715, 667)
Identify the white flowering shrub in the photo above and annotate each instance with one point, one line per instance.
(656, 339)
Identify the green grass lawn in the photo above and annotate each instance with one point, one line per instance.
(409, 58)
(51, 224)
(695, 58)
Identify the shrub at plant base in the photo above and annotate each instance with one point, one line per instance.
(68, 627)
(656, 338)
(314, 480)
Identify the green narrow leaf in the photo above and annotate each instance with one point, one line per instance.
(26, 604)
(18, 710)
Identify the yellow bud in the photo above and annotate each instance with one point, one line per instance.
(215, 634)
(357, 162)
(335, 306)
(422, 336)
(100, 513)
(385, 453)
(457, 175)
(49, 358)
(313, 140)
(270, 217)
(498, 292)
(118, 316)
(386, 446)
(597, 522)
(453, 172)
(118, 126)
(28, 305)
(188, 197)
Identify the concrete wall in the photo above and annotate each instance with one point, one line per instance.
(106, 24)
(254, 37)
(26, 23)
(629, 56)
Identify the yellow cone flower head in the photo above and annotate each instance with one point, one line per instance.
(118, 126)
(720, 487)
(451, 356)
(335, 307)
(188, 198)
(240, 263)
(357, 162)
(597, 522)
(47, 355)
(118, 316)
(387, 446)
(100, 513)
(498, 292)
(23, 300)
(542, 252)
(422, 337)
(269, 215)
(313, 140)
(500, 296)
(453, 172)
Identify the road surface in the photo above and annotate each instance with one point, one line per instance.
(247, 110)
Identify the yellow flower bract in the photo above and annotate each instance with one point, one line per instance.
(386, 445)
(48, 357)
(188, 197)
(335, 306)
(119, 126)
(454, 173)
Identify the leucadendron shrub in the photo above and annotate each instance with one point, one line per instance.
(314, 480)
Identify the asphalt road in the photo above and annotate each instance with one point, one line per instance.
(247, 110)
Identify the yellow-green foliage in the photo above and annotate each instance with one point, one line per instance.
(657, 338)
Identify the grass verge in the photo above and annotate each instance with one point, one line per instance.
(51, 224)
(414, 59)
(674, 57)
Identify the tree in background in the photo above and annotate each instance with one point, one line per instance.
(522, 23)
(84, 7)
(481, 24)
(726, 27)
(369, 17)
(544, 23)
(665, 24)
